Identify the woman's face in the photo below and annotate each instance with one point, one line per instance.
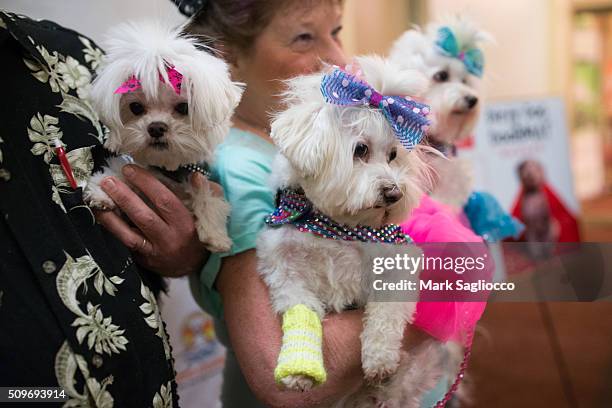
(296, 41)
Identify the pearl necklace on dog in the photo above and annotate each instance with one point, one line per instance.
(295, 209)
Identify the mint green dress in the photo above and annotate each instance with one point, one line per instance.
(242, 166)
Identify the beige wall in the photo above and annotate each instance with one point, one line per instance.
(371, 26)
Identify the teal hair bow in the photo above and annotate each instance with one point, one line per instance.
(472, 58)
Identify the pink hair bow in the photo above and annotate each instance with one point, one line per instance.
(133, 84)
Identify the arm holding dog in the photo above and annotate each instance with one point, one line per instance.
(247, 310)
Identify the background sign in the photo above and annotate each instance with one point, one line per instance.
(509, 133)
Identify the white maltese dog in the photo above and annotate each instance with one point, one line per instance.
(167, 104)
(450, 56)
(347, 169)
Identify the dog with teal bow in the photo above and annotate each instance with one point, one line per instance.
(450, 55)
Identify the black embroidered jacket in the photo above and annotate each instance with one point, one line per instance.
(75, 312)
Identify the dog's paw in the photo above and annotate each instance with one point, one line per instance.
(297, 382)
(98, 199)
(218, 243)
(378, 369)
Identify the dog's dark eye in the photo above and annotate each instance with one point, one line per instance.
(441, 76)
(136, 108)
(182, 108)
(392, 155)
(361, 151)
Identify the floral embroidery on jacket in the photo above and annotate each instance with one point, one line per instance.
(66, 365)
(102, 335)
(153, 317)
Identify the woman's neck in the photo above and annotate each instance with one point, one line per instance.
(244, 120)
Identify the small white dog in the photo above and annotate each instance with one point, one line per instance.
(343, 172)
(167, 104)
(448, 54)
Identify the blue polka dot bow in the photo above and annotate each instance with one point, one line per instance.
(407, 118)
(472, 58)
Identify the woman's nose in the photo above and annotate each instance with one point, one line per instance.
(332, 53)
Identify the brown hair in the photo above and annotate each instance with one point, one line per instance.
(236, 22)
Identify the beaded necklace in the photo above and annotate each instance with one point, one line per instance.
(183, 172)
(295, 209)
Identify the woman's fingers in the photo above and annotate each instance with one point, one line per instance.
(167, 205)
(129, 236)
(200, 182)
(132, 205)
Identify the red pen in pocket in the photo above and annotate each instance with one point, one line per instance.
(61, 155)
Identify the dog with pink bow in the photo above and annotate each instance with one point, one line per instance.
(167, 104)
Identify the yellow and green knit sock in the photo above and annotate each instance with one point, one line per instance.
(302, 349)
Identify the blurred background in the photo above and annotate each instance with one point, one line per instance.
(556, 54)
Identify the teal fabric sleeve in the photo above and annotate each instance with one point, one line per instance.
(242, 167)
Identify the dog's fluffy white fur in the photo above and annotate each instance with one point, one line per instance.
(454, 95)
(317, 144)
(157, 127)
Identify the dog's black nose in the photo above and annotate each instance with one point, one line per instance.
(392, 194)
(157, 129)
(471, 101)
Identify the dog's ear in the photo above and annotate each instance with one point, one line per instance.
(299, 133)
(410, 50)
(212, 94)
(106, 103)
(391, 79)
(305, 131)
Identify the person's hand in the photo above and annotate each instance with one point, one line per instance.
(163, 239)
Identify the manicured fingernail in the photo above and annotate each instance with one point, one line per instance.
(108, 184)
(128, 171)
(197, 180)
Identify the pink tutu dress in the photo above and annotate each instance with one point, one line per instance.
(430, 223)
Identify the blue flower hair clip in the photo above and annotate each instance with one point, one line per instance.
(407, 118)
(472, 58)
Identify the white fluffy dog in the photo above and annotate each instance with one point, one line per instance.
(448, 54)
(167, 104)
(348, 163)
